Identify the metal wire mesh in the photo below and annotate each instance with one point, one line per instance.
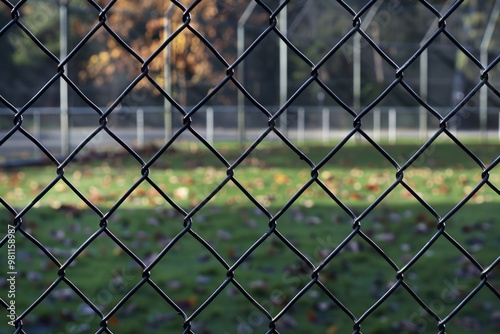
(20, 229)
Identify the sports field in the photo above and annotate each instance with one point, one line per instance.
(129, 203)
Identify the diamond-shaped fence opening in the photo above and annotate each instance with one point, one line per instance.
(256, 166)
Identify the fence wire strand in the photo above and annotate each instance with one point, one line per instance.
(291, 149)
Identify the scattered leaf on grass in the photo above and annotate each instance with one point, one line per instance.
(181, 193)
(280, 178)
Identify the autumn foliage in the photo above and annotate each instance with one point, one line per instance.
(141, 34)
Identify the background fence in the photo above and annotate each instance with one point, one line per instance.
(280, 234)
(144, 126)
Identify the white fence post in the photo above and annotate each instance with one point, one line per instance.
(140, 127)
(422, 120)
(300, 124)
(376, 124)
(325, 116)
(36, 132)
(210, 125)
(392, 125)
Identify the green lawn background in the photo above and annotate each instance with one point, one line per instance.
(273, 174)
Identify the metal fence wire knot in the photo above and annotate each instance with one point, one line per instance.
(249, 166)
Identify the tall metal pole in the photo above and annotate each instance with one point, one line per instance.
(63, 85)
(241, 71)
(356, 72)
(424, 92)
(283, 61)
(241, 78)
(356, 57)
(483, 93)
(167, 76)
(424, 78)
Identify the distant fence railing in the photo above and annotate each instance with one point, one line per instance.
(140, 126)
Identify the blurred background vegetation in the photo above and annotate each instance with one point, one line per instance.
(103, 67)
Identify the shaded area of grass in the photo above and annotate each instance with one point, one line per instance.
(273, 274)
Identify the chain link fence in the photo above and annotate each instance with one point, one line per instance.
(174, 261)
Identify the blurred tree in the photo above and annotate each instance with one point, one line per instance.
(144, 31)
(469, 32)
(103, 67)
(24, 67)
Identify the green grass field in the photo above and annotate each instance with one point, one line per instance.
(230, 223)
